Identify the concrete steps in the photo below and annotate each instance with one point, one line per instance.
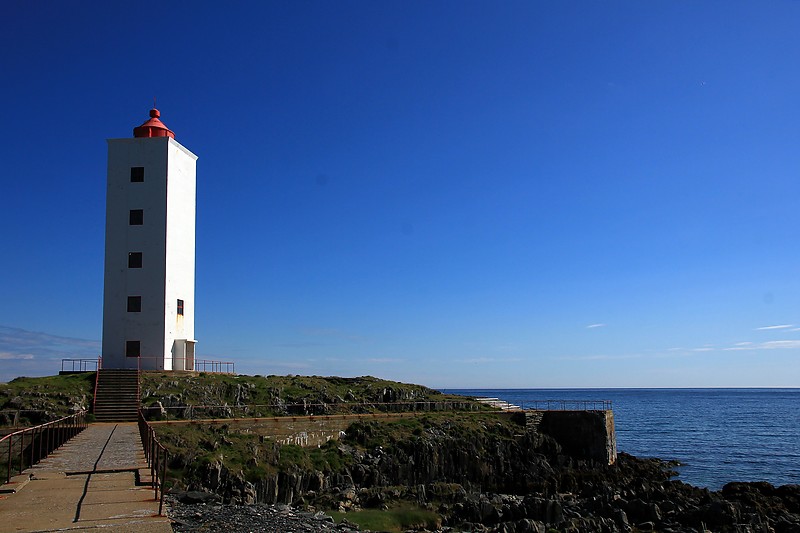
(117, 396)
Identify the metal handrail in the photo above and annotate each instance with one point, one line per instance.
(96, 380)
(156, 455)
(83, 365)
(192, 412)
(41, 441)
(214, 367)
(567, 405)
(550, 405)
(211, 366)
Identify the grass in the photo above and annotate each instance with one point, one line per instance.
(240, 448)
(192, 447)
(369, 434)
(253, 396)
(393, 520)
(66, 385)
(45, 398)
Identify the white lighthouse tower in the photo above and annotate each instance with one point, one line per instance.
(148, 302)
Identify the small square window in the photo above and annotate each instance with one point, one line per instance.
(134, 304)
(136, 217)
(137, 174)
(134, 259)
(133, 348)
(180, 307)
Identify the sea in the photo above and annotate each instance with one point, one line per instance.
(717, 435)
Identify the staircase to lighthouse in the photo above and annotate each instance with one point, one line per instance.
(116, 395)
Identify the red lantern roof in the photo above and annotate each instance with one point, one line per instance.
(153, 127)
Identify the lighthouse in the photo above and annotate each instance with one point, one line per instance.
(148, 300)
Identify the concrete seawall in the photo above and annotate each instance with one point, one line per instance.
(584, 434)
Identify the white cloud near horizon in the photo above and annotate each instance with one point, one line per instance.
(781, 326)
(23, 356)
(788, 344)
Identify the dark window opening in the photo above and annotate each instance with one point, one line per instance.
(137, 174)
(134, 304)
(180, 307)
(137, 217)
(134, 259)
(133, 348)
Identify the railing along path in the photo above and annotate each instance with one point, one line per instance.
(156, 455)
(320, 408)
(26, 447)
(211, 366)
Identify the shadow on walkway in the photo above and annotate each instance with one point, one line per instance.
(88, 483)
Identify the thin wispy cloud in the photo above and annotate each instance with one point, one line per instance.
(781, 326)
(592, 326)
(700, 351)
(781, 345)
(14, 339)
(19, 356)
(35, 353)
(383, 360)
(767, 345)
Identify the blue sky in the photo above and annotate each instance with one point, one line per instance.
(473, 194)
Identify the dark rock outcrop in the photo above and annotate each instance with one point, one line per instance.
(493, 480)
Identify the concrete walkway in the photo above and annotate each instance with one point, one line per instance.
(88, 483)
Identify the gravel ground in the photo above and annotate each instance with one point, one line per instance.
(215, 517)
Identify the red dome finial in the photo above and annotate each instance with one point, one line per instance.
(153, 127)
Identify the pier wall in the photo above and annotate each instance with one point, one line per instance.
(583, 434)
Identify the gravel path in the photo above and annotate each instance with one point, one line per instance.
(249, 518)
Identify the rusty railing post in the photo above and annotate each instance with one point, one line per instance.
(161, 482)
(8, 472)
(154, 475)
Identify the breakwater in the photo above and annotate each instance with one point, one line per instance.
(717, 435)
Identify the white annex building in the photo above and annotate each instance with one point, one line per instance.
(148, 303)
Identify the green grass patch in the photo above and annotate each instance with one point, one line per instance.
(43, 399)
(258, 396)
(192, 447)
(393, 520)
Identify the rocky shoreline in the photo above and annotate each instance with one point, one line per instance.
(204, 514)
(479, 472)
(644, 502)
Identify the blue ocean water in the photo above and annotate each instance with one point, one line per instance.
(718, 435)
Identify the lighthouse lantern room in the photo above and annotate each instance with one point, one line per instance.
(148, 302)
